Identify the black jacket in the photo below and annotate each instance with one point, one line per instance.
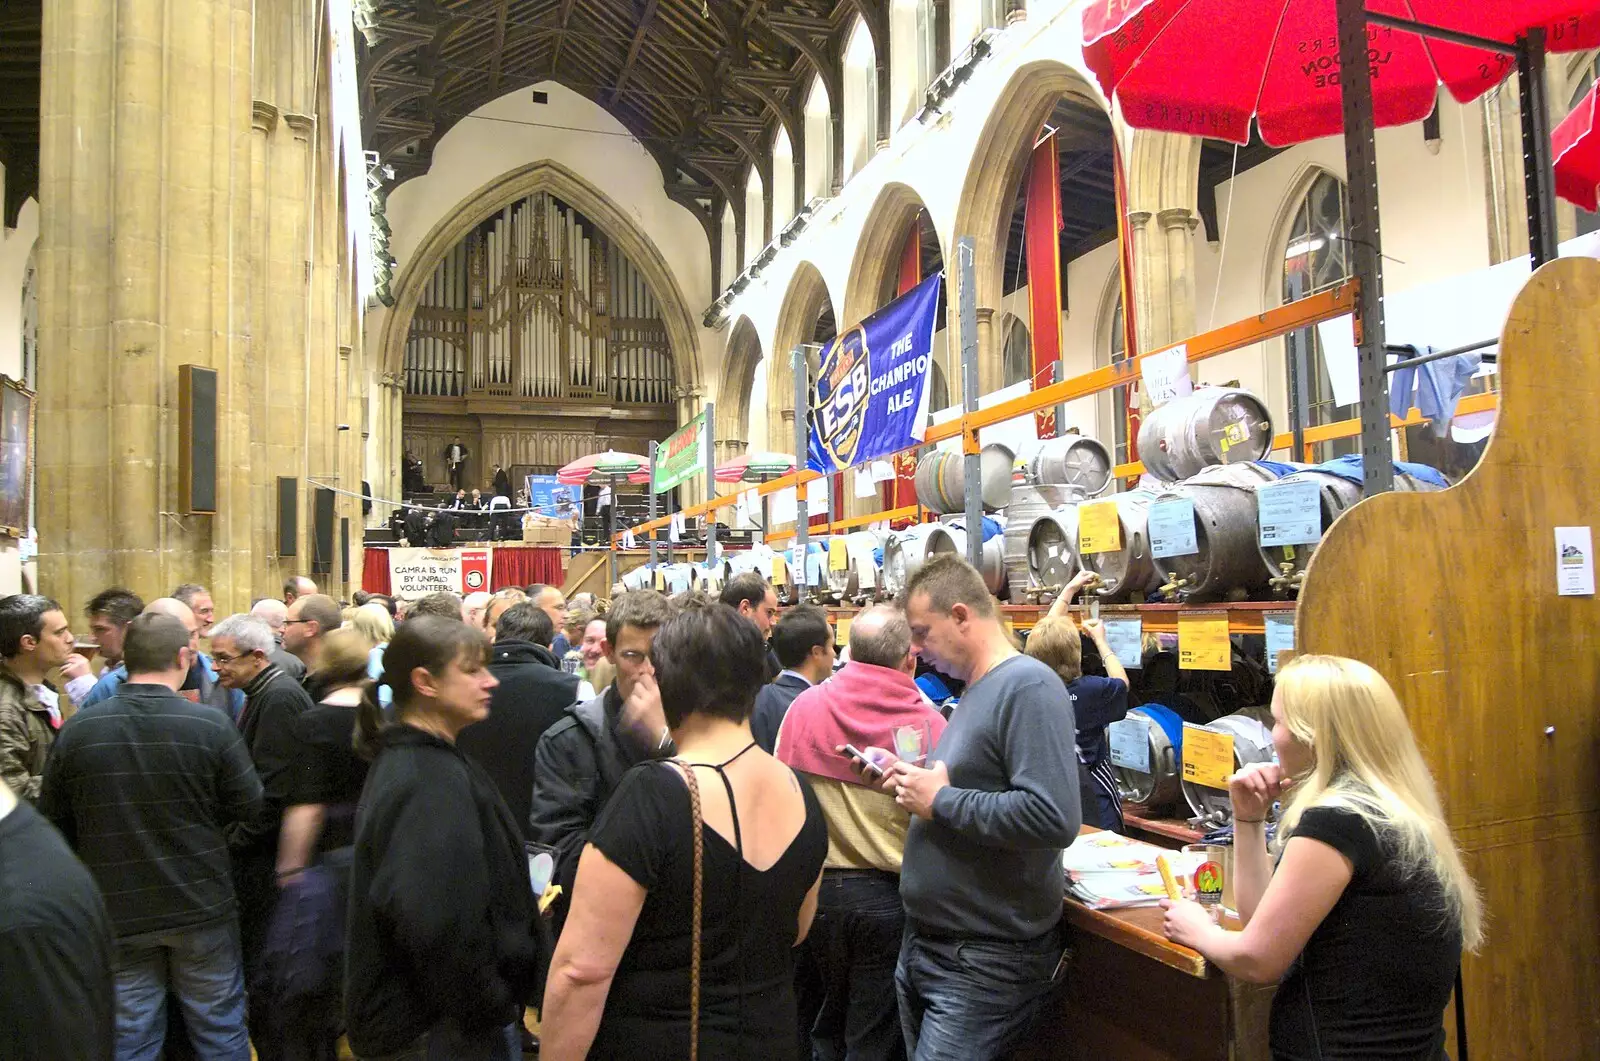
(532, 696)
(579, 763)
(441, 908)
(772, 703)
(502, 483)
(271, 703)
(143, 786)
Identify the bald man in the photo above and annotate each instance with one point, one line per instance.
(201, 686)
(297, 586)
(273, 613)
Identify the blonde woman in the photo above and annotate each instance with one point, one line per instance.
(1366, 914)
(374, 623)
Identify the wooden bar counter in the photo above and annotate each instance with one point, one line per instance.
(1130, 994)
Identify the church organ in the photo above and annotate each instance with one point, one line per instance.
(537, 304)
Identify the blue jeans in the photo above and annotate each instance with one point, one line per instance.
(855, 943)
(202, 970)
(972, 999)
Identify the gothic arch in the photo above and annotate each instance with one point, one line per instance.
(502, 191)
(803, 304)
(740, 361)
(878, 248)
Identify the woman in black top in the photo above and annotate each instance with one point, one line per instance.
(441, 948)
(620, 981)
(1369, 907)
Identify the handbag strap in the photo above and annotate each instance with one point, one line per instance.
(699, 886)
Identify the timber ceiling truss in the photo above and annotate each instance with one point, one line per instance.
(19, 102)
(701, 84)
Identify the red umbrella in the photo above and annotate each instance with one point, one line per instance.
(755, 468)
(1577, 154)
(1206, 67)
(604, 469)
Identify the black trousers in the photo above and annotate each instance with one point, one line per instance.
(854, 946)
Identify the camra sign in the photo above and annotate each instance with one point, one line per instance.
(415, 573)
(871, 395)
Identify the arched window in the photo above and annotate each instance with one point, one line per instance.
(1315, 258)
(860, 100)
(1017, 358)
(730, 245)
(819, 141)
(755, 216)
(911, 33)
(782, 180)
(939, 396)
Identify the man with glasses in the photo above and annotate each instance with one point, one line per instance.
(309, 619)
(752, 597)
(582, 757)
(549, 600)
(200, 687)
(242, 647)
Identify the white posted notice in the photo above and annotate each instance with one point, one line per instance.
(1574, 562)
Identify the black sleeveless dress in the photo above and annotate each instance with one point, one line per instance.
(747, 1007)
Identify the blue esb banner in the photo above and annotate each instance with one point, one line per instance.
(871, 394)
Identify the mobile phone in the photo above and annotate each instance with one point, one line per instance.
(867, 765)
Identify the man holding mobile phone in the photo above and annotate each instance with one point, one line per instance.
(981, 880)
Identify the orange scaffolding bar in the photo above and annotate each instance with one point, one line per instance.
(1302, 313)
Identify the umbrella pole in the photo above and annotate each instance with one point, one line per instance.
(1538, 177)
(652, 489)
(1365, 244)
(611, 530)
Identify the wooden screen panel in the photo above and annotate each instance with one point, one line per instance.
(1452, 596)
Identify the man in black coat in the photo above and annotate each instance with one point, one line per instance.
(532, 696)
(241, 647)
(803, 642)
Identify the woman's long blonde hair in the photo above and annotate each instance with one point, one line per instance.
(1366, 761)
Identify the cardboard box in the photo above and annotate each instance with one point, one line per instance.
(546, 534)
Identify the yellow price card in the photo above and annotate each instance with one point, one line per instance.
(838, 558)
(780, 569)
(1099, 528)
(1203, 643)
(841, 630)
(1207, 756)
(661, 581)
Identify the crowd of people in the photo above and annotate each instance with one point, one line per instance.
(664, 827)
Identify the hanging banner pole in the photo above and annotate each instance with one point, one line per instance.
(967, 292)
(710, 413)
(802, 434)
(654, 511)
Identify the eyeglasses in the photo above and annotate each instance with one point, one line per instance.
(633, 656)
(291, 622)
(222, 661)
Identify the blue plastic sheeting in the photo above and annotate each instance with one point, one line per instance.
(1350, 467)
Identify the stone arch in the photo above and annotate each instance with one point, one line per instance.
(878, 248)
(558, 180)
(1294, 195)
(742, 357)
(803, 304)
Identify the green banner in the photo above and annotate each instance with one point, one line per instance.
(680, 457)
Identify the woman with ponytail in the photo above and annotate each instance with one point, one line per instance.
(1366, 912)
(441, 944)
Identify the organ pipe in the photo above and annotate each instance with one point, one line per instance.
(536, 303)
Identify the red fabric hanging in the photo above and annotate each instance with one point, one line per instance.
(902, 489)
(375, 570)
(1042, 240)
(1576, 149)
(1130, 330)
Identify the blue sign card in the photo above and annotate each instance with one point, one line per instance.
(1289, 513)
(548, 496)
(1171, 524)
(1280, 637)
(871, 393)
(1126, 638)
(1130, 744)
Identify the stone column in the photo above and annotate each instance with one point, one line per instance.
(1163, 190)
(991, 373)
(144, 190)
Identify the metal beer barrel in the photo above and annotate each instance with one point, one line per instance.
(1214, 425)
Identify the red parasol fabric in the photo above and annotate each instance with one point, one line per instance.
(1206, 67)
(1576, 150)
(601, 468)
(755, 467)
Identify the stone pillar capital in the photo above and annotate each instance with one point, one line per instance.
(344, 352)
(985, 315)
(788, 416)
(263, 116)
(1139, 218)
(1178, 217)
(300, 125)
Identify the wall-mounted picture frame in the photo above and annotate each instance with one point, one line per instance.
(16, 456)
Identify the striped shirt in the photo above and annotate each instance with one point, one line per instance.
(145, 787)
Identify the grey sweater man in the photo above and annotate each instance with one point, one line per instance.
(989, 863)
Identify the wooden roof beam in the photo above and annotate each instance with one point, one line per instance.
(498, 53)
(563, 16)
(645, 18)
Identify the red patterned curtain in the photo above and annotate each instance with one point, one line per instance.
(375, 570)
(514, 565)
(1042, 239)
(902, 489)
